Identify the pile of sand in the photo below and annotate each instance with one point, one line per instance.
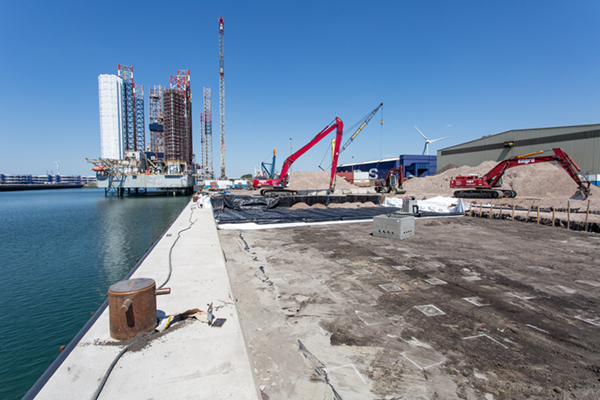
(313, 180)
(300, 206)
(535, 180)
(304, 206)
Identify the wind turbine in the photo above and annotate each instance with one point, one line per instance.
(57, 167)
(427, 141)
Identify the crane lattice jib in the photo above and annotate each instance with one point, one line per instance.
(360, 128)
(222, 94)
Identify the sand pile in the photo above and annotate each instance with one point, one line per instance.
(534, 180)
(300, 206)
(309, 180)
(304, 206)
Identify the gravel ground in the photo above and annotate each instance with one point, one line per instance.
(468, 308)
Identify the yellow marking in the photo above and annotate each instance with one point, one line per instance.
(530, 154)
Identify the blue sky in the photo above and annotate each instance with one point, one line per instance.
(456, 68)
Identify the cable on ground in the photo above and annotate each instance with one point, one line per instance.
(124, 350)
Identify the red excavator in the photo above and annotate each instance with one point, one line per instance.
(483, 187)
(392, 182)
(277, 187)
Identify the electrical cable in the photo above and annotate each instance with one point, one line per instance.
(173, 245)
(124, 350)
(108, 371)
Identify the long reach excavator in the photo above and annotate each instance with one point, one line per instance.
(277, 187)
(488, 185)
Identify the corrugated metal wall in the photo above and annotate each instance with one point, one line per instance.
(581, 142)
(413, 165)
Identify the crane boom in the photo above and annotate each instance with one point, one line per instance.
(361, 127)
(222, 94)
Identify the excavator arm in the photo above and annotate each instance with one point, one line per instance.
(485, 184)
(339, 125)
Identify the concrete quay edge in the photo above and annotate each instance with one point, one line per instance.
(193, 360)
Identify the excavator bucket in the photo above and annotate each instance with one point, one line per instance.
(582, 193)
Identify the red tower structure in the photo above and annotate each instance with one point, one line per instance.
(177, 115)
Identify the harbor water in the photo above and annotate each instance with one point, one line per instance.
(60, 251)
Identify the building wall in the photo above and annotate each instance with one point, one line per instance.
(581, 142)
(413, 165)
(111, 130)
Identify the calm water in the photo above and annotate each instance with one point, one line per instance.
(60, 250)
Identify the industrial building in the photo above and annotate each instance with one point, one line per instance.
(412, 165)
(581, 142)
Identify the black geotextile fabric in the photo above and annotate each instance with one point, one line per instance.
(231, 209)
(287, 215)
(243, 202)
(239, 203)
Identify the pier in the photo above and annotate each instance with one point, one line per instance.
(190, 359)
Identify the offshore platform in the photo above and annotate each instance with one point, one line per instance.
(127, 163)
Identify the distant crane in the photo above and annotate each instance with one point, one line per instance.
(222, 94)
(269, 169)
(427, 141)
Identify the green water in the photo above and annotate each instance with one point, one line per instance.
(60, 250)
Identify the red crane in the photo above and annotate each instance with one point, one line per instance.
(278, 185)
(483, 187)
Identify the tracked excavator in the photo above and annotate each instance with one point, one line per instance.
(488, 186)
(278, 187)
(392, 182)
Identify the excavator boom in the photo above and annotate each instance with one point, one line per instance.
(484, 187)
(282, 182)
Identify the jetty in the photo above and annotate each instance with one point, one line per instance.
(189, 359)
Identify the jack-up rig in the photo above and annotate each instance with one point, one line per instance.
(125, 163)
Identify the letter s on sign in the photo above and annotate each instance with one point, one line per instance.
(373, 173)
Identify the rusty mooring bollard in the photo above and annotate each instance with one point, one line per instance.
(132, 307)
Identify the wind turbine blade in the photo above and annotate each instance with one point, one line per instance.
(435, 140)
(426, 149)
(421, 133)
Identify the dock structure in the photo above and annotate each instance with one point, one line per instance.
(140, 171)
(190, 359)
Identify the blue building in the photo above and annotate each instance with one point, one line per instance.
(412, 166)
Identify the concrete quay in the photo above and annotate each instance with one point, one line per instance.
(189, 360)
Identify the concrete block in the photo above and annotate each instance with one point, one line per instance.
(394, 226)
(410, 206)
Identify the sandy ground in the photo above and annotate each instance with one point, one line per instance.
(468, 308)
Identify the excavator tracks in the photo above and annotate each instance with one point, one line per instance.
(484, 194)
(277, 192)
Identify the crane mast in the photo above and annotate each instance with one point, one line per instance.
(222, 94)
